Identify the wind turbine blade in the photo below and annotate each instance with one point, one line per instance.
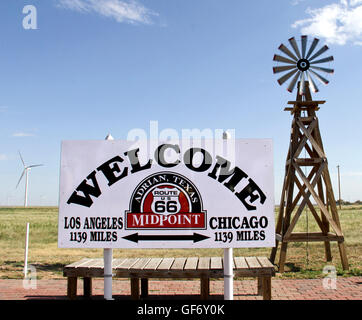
(293, 82)
(312, 47)
(319, 52)
(20, 178)
(323, 60)
(287, 76)
(22, 160)
(304, 45)
(302, 85)
(327, 70)
(283, 59)
(35, 165)
(282, 68)
(295, 47)
(312, 84)
(319, 77)
(284, 49)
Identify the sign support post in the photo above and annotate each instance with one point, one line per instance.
(108, 257)
(228, 274)
(228, 262)
(26, 250)
(107, 260)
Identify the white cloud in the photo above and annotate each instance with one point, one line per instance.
(23, 134)
(121, 10)
(339, 22)
(3, 157)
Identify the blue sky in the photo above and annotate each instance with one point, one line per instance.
(94, 67)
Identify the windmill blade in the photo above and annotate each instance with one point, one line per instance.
(324, 60)
(302, 85)
(312, 84)
(284, 49)
(327, 70)
(22, 160)
(320, 51)
(35, 165)
(304, 45)
(295, 47)
(286, 76)
(319, 77)
(283, 59)
(20, 178)
(312, 47)
(282, 68)
(293, 82)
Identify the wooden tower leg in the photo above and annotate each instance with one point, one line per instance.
(327, 244)
(274, 252)
(325, 223)
(289, 184)
(332, 204)
(279, 227)
(283, 256)
(343, 254)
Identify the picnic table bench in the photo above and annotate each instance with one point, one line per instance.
(204, 268)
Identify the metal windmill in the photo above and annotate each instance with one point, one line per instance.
(306, 170)
(302, 63)
(26, 172)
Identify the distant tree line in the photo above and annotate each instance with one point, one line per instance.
(346, 203)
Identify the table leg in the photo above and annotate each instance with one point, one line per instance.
(72, 287)
(260, 286)
(266, 288)
(135, 288)
(87, 287)
(144, 288)
(205, 288)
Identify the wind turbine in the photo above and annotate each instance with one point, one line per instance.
(26, 171)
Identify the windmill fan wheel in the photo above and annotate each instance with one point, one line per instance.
(302, 63)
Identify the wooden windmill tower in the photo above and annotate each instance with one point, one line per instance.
(306, 153)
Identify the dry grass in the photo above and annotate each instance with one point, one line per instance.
(302, 261)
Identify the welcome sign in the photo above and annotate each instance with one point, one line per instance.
(199, 194)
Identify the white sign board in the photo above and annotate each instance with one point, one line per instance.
(204, 194)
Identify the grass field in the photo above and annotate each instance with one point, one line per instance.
(302, 261)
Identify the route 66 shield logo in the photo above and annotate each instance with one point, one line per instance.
(165, 200)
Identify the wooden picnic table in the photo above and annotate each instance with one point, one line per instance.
(204, 268)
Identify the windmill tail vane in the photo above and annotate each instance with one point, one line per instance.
(302, 63)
